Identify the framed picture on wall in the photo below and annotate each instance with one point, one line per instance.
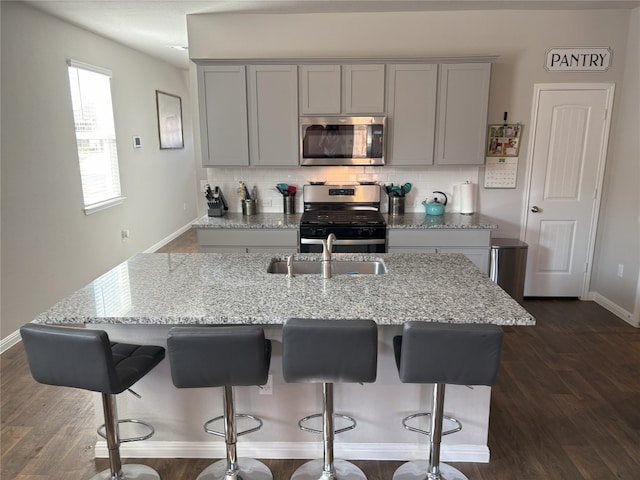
(169, 120)
(504, 140)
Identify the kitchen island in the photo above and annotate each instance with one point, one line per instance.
(139, 300)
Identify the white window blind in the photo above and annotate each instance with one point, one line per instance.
(95, 135)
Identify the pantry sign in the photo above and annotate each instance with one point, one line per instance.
(578, 59)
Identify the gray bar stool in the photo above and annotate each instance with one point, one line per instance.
(444, 353)
(329, 351)
(225, 357)
(86, 359)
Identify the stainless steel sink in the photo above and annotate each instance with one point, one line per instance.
(338, 267)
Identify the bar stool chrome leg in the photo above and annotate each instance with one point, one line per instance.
(328, 468)
(434, 469)
(230, 468)
(117, 471)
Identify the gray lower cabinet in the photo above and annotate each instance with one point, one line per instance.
(474, 243)
(247, 240)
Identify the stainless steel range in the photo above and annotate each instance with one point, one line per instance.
(350, 212)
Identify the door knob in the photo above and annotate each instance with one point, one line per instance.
(535, 209)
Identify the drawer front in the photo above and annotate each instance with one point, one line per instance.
(439, 238)
(248, 237)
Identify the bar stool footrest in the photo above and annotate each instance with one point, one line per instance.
(337, 431)
(102, 430)
(427, 432)
(238, 415)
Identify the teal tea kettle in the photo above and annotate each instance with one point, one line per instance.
(435, 207)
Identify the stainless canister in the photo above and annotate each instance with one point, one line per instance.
(396, 205)
(289, 204)
(249, 207)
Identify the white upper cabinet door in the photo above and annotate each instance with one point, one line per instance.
(273, 114)
(223, 115)
(320, 89)
(363, 89)
(411, 106)
(462, 113)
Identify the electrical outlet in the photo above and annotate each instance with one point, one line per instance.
(620, 270)
(184, 206)
(267, 388)
(266, 202)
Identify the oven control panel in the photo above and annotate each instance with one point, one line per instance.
(342, 192)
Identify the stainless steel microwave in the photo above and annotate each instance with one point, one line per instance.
(342, 140)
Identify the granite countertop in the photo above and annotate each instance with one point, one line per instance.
(210, 288)
(258, 221)
(417, 220)
(420, 220)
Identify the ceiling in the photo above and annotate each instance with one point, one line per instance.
(155, 26)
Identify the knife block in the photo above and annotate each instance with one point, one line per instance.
(216, 211)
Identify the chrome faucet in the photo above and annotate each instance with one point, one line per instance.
(290, 266)
(327, 245)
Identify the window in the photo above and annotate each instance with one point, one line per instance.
(95, 136)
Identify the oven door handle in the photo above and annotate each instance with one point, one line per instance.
(318, 241)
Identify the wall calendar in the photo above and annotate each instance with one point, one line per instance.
(500, 172)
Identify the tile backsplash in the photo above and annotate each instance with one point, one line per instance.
(424, 181)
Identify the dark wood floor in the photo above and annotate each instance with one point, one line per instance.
(566, 406)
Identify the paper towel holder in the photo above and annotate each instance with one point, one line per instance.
(467, 201)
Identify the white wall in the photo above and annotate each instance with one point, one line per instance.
(50, 248)
(520, 39)
(618, 241)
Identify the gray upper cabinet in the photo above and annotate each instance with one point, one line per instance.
(320, 89)
(411, 105)
(223, 115)
(335, 89)
(436, 113)
(463, 100)
(273, 114)
(363, 88)
(248, 115)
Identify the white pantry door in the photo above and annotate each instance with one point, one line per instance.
(569, 134)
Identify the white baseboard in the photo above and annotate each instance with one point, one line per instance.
(9, 341)
(615, 309)
(296, 450)
(173, 236)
